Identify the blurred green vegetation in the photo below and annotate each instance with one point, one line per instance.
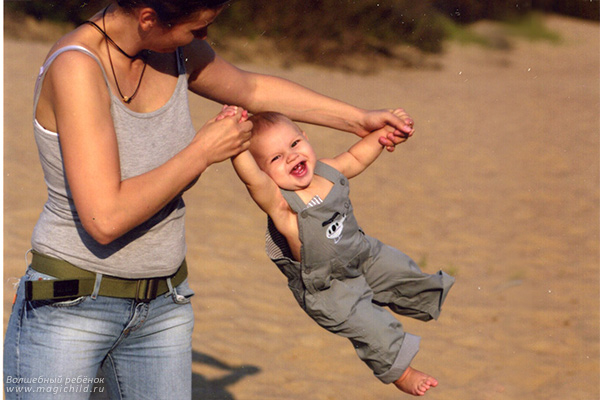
(73, 11)
(324, 31)
(466, 11)
(531, 27)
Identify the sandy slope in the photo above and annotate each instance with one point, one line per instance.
(499, 186)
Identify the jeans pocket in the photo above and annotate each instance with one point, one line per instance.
(182, 293)
(69, 302)
(33, 275)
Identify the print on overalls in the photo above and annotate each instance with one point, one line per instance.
(336, 226)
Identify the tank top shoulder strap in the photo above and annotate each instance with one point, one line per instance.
(48, 62)
(180, 61)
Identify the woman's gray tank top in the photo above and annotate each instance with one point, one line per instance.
(146, 140)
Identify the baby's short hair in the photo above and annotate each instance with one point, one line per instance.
(262, 121)
(266, 119)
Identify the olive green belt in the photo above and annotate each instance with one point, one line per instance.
(72, 282)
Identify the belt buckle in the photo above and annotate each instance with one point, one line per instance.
(146, 290)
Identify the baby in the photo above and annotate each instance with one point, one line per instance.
(340, 276)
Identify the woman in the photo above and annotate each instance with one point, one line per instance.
(107, 284)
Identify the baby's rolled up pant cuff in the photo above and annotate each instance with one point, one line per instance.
(408, 351)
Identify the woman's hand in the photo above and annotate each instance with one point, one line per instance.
(226, 135)
(400, 123)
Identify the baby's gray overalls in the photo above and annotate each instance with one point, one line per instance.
(346, 276)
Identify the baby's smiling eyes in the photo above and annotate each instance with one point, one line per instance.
(277, 157)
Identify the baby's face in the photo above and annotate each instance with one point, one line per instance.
(283, 152)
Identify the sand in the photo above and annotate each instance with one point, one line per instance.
(499, 187)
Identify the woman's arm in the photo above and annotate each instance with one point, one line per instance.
(107, 206)
(214, 78)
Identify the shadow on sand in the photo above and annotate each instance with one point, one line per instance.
(202, 387)
(216, 389)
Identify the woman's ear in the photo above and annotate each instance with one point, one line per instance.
(147, 18)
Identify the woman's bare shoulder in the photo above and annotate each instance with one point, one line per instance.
(81, 37)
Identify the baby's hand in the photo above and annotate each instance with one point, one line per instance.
(403, 115)
(392, 135)
(225, 135)
(230, 111)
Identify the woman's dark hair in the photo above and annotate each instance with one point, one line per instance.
(172, 11)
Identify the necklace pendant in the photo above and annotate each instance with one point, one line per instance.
(127, 99)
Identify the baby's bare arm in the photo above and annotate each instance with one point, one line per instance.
(363, 153)
(261, 187)
(360, 156)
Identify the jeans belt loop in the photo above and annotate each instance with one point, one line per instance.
(97, 283)
(170, 287)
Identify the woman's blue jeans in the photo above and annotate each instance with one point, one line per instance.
(53, 350)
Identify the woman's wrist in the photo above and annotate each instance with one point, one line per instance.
(352, 121)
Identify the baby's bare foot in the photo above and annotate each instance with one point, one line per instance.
(415, 382)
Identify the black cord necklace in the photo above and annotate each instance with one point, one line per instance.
(143, 55)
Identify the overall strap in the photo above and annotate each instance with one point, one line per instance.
(321, 169)
(327, 172)
(294, 201)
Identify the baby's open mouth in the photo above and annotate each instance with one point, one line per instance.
(299, 169)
